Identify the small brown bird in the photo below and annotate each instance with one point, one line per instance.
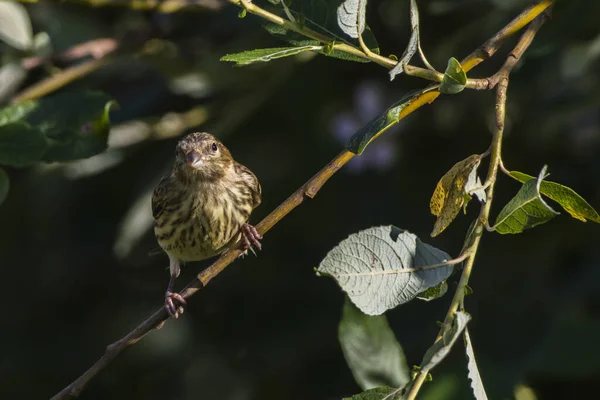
(202, 206)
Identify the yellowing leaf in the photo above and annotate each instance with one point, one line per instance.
(449, 195)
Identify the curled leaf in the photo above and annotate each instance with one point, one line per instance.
(473, 374)
(449, 194)
(413, 42)
(526, 210)
(568, 199)
(455, 78)
(440, 349)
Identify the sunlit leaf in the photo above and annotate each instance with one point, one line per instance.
(382, 267)
(449, 194)
(473, 371)
(413, 42)
(15, 26)
(569, 200)
(455, 78)
(366, 134)
(434, 292)
(440, 349)
(20, 144)
(371, 350)
(351, 17)
(265, 55)
(4, 186)
(526, 210)
(65, 126)
(379, 393)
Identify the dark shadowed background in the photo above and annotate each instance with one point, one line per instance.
(80, 266)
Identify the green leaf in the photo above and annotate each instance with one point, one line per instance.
(569, 200)
(21, 145)
(321, 16)
(379, 393)
(72, 125)
(526, 210)
(351, 17)
(365, 135)
(455, 78)
(434, 292)
(473, 371)
(382, 267)
(371, 350)
(413, 42)
(265, 55)
(4, 185)
(440, 349)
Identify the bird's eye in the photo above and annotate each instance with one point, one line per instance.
(214, 147)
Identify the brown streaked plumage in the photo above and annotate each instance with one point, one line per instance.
(203, 206)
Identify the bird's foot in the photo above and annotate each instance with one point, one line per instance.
(171, 300)
(250, 239)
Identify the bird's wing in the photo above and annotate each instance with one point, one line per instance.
(161, 197)
(253, 183)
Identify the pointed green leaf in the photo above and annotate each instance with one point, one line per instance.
(413, 42)
(434, 292)
(379, 393)
(4, 186)
(20, 144)
(371, 350)
(526, 210)
(440, 349)
(365, 135)
(455, 78)
(569, 200)
(351, 17)
(473, 374)
(265, 55)
(382, 267)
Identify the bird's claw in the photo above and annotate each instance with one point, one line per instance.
(174, 309)
(250, 239)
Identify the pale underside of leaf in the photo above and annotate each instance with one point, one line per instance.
(413, 43)
(351, 16)
(383, 267)
(449, 194)
(440, 349)
(473, 371)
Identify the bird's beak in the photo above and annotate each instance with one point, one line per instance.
(193, 159)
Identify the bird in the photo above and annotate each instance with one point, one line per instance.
(202, 207)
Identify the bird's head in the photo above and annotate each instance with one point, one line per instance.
(200, 155)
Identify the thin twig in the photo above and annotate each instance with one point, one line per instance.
(309, 189)
(482, 221)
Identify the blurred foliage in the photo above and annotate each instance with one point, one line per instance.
(78, 252)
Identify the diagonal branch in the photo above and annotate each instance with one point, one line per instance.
(309, 189)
